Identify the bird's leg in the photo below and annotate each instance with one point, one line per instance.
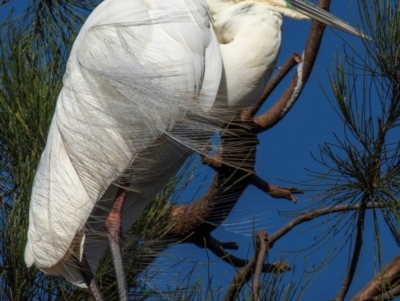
(89, 279)
(113, 227)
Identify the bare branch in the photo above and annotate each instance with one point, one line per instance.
(294, 59)
(317, 213)
(386, 282)
(215, 246)
(240, 278)
(262, 240)
(275, 191)
(296, 86)
(389, 295)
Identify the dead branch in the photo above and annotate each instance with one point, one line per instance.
(262, 240)
(294, 59)
(241, 277)
(385, 285)
(218, 249)
(389, 295)
(279, 110)
(254, 266)
(275, 191)
(318, 213)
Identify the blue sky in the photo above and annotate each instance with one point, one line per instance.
(283, 155)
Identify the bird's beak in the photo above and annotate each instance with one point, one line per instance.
(316, 13)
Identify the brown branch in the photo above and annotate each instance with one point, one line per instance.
(275, 191)
(213, 162)
(279, 110)
(389, 295)
(318, 213)
(184, 222)
(229, 183)
(241, 277)
(262, 240)
(193, 223)
(356, 253)
(294, 59)
(385, 285)
(255, 265)
(215, 246)
(238, 280)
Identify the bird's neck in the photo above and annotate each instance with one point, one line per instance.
(217, 6)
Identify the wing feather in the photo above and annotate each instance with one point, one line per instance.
(135, 70)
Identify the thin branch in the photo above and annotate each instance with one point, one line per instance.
(275, 191)
(240, 278)
(262, 240)
(292, 61)
(317, 213)
(257, 262)
(279, 110)
(356, 253)
(215, 246)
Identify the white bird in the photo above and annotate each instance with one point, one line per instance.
(145, 84)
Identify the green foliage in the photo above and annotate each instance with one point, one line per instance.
(362, 167)
(32, 60)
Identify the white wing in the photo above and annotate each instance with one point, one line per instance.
(136, 70)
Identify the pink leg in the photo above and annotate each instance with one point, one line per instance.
(113, 227)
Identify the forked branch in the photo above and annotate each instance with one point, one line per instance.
(279, 110)
(242, 146)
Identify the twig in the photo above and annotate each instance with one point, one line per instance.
(275, 191)
(240, 278)
(262, 240)
(215, 246)
(244, 274)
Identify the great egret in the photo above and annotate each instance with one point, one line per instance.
(147, 83)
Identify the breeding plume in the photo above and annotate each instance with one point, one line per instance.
(147, 83)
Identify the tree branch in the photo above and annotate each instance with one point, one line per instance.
(292, 61)
(275, 191)
(242, 276)
(296, 86)
(215, 246)
(317, 213)
(389, 295)
(262, 240)
(385, 285)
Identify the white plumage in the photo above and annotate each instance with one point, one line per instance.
(144, 80)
